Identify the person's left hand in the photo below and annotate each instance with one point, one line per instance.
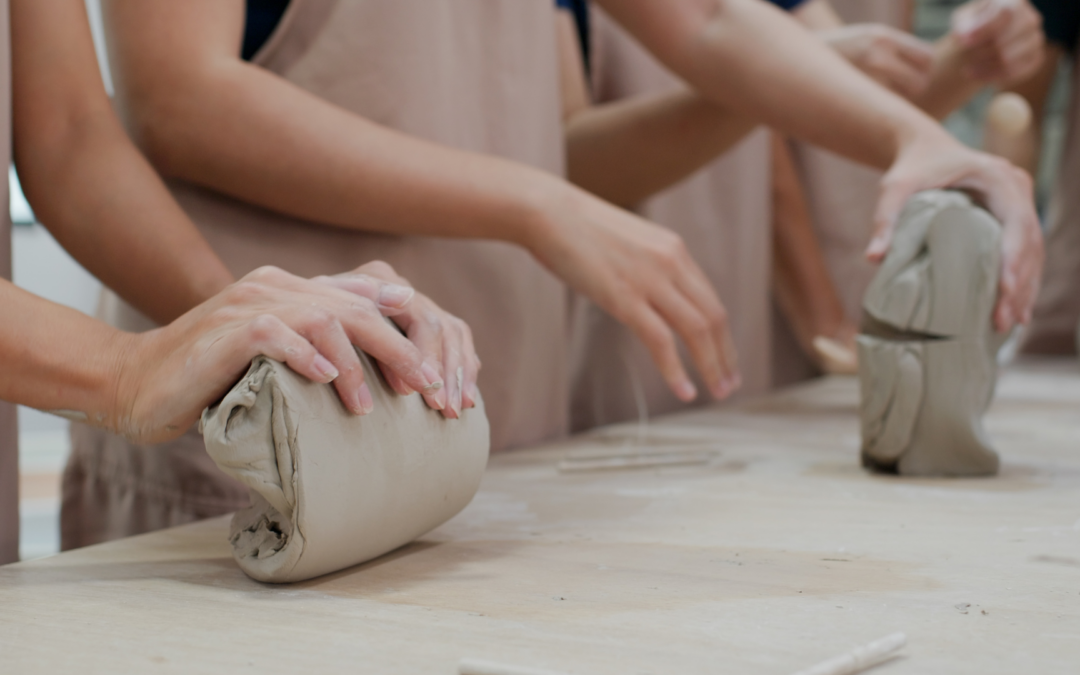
(937, 160)
(1002, 40)
(441, 337)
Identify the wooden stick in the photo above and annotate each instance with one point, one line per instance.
(633, 461)
(480, 667)
(858, 660)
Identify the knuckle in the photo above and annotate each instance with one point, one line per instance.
(321, 320)
(245, 291)
(264, 327)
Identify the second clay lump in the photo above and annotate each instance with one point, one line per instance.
(928, 348)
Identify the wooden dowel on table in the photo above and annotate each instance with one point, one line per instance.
(858, 660)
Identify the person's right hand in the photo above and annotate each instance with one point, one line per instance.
(166, 377)
(894, 58)
(643, 275)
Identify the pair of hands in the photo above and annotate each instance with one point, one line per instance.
(166, 377)
(1000, 42)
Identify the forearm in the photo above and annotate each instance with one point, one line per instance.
(727, 49)
(628, 150)
(308, 158)
(57, 359)
(105, 205)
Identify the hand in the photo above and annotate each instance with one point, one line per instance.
(444, 340)
(644, 277)
(167, 376)
(939, 161)
(1002, 40)
(894, 58)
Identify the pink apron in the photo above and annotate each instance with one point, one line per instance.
(841, 196)
(480, 75)
(9, 433)
(723, 213)
(1057, 312)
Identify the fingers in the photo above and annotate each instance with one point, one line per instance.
(470, 394)
(270, 336)
(423, 324)
(391, 298)
(366, 328)
(327, 335)
(695, 307)
(916, 52)
(901, 76)
(894, 194)
(658, 338)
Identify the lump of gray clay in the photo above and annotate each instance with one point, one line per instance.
(330, 489)
(928, 348)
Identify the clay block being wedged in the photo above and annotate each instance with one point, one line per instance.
(330, 489)
(928, 352)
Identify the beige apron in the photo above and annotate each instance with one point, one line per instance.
(722, 212)
(479, 75)
(841, 196)
(1057, 312)
(9, 433)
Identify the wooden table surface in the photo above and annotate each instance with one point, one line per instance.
(777, 554)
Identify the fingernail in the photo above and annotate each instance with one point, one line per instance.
(364, 400)
(433, 381)
(393, 296)
(326, 369)
(686, 390)
(474, 395)
(437, 399)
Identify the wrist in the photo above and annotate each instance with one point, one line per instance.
(545, 206)
(120, 382)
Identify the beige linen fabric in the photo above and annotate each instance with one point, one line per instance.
(9, 433)
(1054, 328)
(479, 75)
(722, 212)
(329, 489)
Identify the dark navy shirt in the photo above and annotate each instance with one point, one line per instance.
(580, 10)
(263, 16)
(787, 4)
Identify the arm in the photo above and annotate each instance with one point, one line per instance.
(152, 386)
(204, 115)
(629, 150)
(727, 48)
(85, 180)
(802, 285)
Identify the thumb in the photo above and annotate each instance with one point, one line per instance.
(894, 194)
(392, 299)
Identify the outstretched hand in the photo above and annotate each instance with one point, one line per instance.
(1003, 189)
(167, 376)
(643, 275)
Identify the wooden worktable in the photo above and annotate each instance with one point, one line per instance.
(779, 553)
